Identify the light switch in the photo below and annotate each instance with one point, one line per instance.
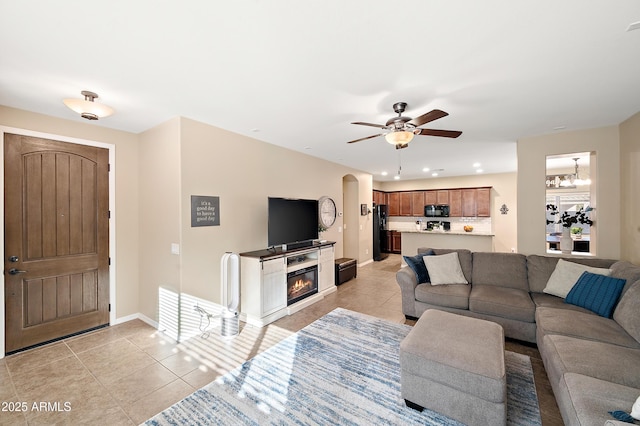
(175, 248)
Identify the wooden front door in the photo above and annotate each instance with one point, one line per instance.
(56, 220)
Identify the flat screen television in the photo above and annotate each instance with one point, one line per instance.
(291, 220)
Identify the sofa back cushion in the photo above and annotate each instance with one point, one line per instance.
(540, 268)
(626, 313)
(500, 269)
(627, 271)
(464, 256)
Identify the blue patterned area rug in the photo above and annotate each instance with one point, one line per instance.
(342, 369)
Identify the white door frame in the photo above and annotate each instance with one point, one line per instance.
(112, 209)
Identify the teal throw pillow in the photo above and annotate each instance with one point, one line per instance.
(416, 263)
(597, 293)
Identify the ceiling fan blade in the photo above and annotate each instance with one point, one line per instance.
(368, 137)
(361, 123)
(430, 116)
(441, 133)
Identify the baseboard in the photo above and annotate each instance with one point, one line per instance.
(141, 317)
(366, 262)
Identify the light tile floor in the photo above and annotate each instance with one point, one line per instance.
(127, 373)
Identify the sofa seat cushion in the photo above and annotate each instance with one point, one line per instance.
(583, 325)
(584, 400)
(502, 302)
(544, 300)
(450, 295)
(604, 361)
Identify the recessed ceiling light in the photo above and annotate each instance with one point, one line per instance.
(426, 169)
(384, 173)
(633, 26)
(476, 165)
(434, 174)
(559, 127)
(397, 177)
(479, 170)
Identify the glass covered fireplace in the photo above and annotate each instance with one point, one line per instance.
(302, 283)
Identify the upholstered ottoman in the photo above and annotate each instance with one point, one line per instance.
(454, 365)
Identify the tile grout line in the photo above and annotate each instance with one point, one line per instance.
(98, 381)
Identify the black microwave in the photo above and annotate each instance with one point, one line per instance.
(436, 210)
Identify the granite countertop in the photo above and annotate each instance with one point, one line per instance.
(472, 233)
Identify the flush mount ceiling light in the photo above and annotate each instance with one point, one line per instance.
(87, 108)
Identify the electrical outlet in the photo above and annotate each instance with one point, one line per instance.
(366, 251)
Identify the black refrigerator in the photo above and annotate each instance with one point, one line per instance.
(380, 250)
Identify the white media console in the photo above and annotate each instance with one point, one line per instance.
(276, 282)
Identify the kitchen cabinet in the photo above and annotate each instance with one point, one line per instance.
(396, 242)
(389, 239)
(469, 201)
(463, 202)
(455, 202)
(442, 196)
(417, 201)
(483, 202)
(379, 197)
(393, 200)
(430, 197)
(405, 204)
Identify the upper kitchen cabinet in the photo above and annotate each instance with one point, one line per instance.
(393, 200)
(469, 202)
(417, 201)
(455, 202)
(406, 204)
(483, 202)
(463, 202)
(379, 197)
(430, 197)
(442, 196)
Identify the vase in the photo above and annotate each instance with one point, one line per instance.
(566, 243)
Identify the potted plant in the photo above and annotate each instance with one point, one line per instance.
(567, 220)
(576, 232)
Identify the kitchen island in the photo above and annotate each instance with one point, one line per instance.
(474, 241)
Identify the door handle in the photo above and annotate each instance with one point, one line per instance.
(14, 271)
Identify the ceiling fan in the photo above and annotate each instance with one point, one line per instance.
(401, 130)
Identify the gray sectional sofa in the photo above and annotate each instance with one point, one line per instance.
(593, 362)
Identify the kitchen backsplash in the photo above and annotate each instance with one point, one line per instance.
(480, 224)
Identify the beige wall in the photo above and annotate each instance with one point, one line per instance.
(159, 220)
(629, 191)
(532, 154)
(504, 192)
(126, 194)
(243, 172)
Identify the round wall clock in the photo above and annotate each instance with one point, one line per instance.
(327, 212)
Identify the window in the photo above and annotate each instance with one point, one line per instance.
(569, 190)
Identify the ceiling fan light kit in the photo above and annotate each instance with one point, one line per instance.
(87, 107)
(399, 137)
(400, 130)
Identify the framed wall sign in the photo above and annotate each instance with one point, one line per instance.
(205, 211)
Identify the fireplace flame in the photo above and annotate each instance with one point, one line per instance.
(299, 285)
